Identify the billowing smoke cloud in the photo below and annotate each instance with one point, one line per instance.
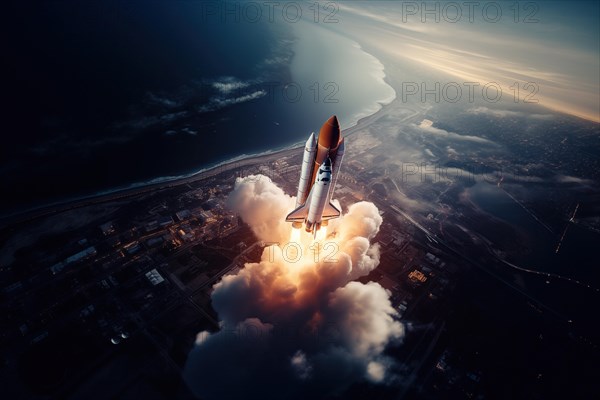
(296, 324)
(262, 204)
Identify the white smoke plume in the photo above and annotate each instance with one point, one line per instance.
(296, 324)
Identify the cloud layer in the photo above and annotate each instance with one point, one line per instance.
(296, 324)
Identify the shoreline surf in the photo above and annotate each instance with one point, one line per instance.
(366, 112)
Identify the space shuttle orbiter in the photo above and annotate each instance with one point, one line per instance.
(320, 167)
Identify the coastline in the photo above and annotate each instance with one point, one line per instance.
(372, 112)
(145, 187)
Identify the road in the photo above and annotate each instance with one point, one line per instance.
(14, 220)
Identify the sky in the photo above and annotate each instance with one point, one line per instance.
(554, 46)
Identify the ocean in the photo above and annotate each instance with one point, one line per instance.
(121, 95)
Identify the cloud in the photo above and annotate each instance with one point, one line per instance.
(505, 54)
(451, 151)
(217, 103)
(427, 126)
(161, 100)
(149, 121)
(293, 327)
(411, 24)
(229, 84)
(499, 113)
(168, 110)
(262, 204)
(185, 130)
(574, 179)
(231, 91)
(240, 99)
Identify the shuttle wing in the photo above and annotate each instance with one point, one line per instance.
(299, 214)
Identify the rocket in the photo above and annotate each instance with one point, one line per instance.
(320, 167)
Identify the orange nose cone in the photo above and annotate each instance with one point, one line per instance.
(329, 135)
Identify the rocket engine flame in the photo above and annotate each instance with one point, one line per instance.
(295, 235)
(321, 234)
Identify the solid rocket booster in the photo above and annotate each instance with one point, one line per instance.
(321, 163)
(306, 172)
